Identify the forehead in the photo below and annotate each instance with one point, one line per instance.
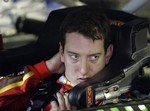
(79, 43)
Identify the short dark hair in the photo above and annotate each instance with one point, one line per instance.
(88, 21)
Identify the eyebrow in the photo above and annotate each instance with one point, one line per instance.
(95, 54)
(98, 53)
(71, 52)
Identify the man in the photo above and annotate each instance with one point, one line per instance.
(85, 49)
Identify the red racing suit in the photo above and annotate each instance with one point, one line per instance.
(15, 92)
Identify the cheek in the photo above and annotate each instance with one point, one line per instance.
(98, 67)
(71, 72)
(70, 67)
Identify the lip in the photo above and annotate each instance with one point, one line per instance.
(82, 79)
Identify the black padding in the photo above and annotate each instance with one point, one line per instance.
(28, 25)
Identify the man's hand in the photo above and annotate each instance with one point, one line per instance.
(63, 103)
(55, 65)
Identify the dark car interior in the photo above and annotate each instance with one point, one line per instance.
(131, 56)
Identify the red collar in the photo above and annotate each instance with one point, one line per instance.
(66, 84)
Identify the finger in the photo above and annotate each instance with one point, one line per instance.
(68, 106)
(54, 106)
(61, 101)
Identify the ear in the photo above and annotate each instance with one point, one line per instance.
(109, 53)
(61, 51)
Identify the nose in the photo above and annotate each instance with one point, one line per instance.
(84, 67)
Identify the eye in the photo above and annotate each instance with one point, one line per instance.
(73, 56)
(94, 58)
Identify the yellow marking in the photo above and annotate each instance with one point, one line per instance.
(16, 84)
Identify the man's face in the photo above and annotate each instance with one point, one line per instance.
(83, 57)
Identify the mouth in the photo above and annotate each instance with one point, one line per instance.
(82, 79)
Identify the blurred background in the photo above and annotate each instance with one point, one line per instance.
(21, 21)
